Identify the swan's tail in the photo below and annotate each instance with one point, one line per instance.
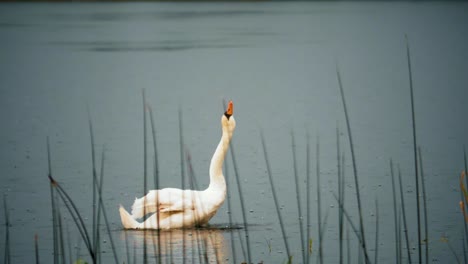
(145, 205)
(127, 220)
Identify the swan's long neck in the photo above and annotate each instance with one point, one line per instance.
(217, 181)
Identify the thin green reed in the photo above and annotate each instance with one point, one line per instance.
(182, 175)
(98, 184)
(348, 250)
(275, 198)
(414, 148)
(103, 209)
(397, 247)
(126, 246)
(309, 239)
(145, 183)
(7, 254)
(426, 238)
(405, 226)
(353, 158)
(156, 180)
(60, 233)
(53, 201)
(96, 214)
(233, 246)
(298, 197)
(353, 227)
(400, 250)
(94, 183)
(98, 218)
(70, 254)
(319, 205)
(36, 248)
(340, 194)
(77, 218)
(241, 196)
(193, 185)
(376, 231)
(462, 199)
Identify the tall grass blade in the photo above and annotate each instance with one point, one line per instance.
(233, 246)
(416, 175)
(446, 240)
(466, 165)
(95, 226)
(126, 246)
(464, 222)
(193, 186)
(94, 179)
(405, 226)
(464, 250)
(353, 227)
(77, 218)
(134, 253)
(145, 170)
(400, 250)
(70, 256)
(340, 195)
(156, 179)
(376, 231)
(298, 198)
(7, 255)
(348, 249)
(99, 183)
(308, 196)
(36, 248)
(426, 238)
(397, 253)
(353, 158)
(60, 233)
(182, 175)
(275, 198)
(319, 203)
(53, 201)
(241, 196)
(103, 209)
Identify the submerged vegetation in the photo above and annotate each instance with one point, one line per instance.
(201, 242)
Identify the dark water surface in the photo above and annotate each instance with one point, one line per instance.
(276, 61)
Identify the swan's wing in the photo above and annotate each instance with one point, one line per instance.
(165, 200)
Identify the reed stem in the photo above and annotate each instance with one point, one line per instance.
(353, 158)
(376, 231)
(405, 226)
(397, 253)
(308, 197)
(7, 255)
(156, 180)
(36, 248)
(275, 198)
(340, 195)
(426, 238)
(298, 197)
(414, 149)
(145, 170)
(182, 175)
(319, 205)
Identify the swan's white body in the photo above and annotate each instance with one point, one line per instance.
(176, 208)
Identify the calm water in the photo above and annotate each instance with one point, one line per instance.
(276, 61)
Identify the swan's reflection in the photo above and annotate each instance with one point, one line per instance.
(197, 245)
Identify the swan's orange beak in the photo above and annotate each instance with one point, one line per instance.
(229, 110)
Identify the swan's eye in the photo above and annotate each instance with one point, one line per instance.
(227, 115)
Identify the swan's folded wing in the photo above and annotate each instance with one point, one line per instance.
(165, 200)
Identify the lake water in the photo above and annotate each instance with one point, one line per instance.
(277, 62)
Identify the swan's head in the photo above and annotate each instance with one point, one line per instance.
(227, 120)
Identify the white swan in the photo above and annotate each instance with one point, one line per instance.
(176, 208)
